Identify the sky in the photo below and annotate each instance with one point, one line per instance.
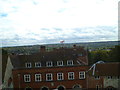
(31, 22)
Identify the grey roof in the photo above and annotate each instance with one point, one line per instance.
(64, 54)
(106, 69)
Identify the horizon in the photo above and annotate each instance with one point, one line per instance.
(32, 22)
(59, 43)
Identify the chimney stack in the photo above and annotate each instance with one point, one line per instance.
(74, 46)
(42, 48)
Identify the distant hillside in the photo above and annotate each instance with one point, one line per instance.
(35, 48)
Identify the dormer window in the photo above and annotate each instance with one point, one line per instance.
(59, 63)
(37, 64)
(49, 64)
(109, 77)
(28, 65)
(97, 77)
(70, 62)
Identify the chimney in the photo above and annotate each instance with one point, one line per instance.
(74, 46)
(42, 48)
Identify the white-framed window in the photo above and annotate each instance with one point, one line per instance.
(49, 63)
(59, 63)
(28, 65)
(82, 75)
(60, 76)
(37, 64)
(70, 75)
(109, 77)
(27, 78)
(97, 77)
(38, 78)
(49, 77)
(70, 62)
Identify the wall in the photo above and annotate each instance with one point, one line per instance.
(114, 82)
(8, 74)
(92, 82)
(51, 84)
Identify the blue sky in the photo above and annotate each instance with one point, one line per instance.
(30, 22)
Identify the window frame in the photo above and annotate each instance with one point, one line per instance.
(26, 65)
(28, 76)
(38, 77)
(51, 76)
(73, 75)
(82, 73)
(62, 75)
(109, 77)
(59, 62)
(37, 64)
(71, 62)
(47, 64)
(97, 77)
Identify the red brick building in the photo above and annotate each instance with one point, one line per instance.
(63, 68)
(59, 77)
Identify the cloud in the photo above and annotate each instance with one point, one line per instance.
(54, 35)
(3, 14)
(46, 21)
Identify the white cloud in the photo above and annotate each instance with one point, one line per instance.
(27, 18)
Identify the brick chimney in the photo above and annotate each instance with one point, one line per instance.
(42, 48)
(74, 46)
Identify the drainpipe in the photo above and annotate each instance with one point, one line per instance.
(19, 80)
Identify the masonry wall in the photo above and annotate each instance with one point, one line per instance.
(18, 79)
(93, 82)
(114, 82)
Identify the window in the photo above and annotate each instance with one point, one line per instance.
(97, 87)
(82, 75)
(28, 88)
(28, 65)
(38, 64)
(37, 77)
(77, 87)
(70, 62)
(118, 77)
(49, 64)
(109, 77)
(59, 63)
(97, 77)
(27, 78)
(71, 75)
(60, 76)
(49, 77)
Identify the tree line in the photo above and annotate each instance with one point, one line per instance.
(106, 55)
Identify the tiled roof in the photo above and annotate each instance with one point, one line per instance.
(107, 69)
(56, 55)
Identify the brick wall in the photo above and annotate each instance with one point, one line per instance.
(18, 80)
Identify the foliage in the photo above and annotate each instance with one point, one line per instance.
(109, 55)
